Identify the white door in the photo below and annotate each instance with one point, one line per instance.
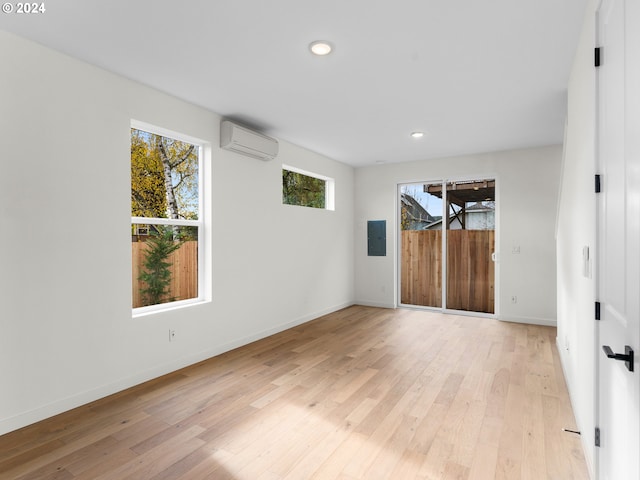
(618, 135)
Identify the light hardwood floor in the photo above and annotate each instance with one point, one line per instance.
(363, 393)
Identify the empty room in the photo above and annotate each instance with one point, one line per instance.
(279, 240)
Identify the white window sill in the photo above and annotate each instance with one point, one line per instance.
(166, 307)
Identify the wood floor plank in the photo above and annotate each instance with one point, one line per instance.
(359, 466)
(393, 449)
(91, 466)
(362, 393)
(335, 463)
(62, 455)
(408, 466)
(157, 459)
(534, 463)
(216, 465)
(484, 462)
(316, 455)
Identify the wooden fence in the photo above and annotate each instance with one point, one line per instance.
(470, 270)
(184, 271)
(421, 268)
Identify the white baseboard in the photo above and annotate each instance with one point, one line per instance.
(63, 405)
(545, 322)
(365, 303)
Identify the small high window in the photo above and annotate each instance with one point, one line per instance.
(166, 219)
(307, 189)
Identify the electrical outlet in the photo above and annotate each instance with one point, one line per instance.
(172, 335)
(514, 299)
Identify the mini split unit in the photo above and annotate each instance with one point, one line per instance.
(241, 140)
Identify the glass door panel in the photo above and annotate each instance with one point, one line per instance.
(470, 239)
(420, 246)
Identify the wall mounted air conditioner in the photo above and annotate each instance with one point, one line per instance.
(247, 142)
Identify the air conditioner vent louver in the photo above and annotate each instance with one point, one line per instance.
(241, 140)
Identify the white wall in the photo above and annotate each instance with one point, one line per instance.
(66, 332)
(577, 229)
(527, 186)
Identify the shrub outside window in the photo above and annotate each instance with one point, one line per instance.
(166, 219)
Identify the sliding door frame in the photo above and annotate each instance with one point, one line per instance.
(398, 256)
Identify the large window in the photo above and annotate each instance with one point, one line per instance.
(307, 189)
(166, 219)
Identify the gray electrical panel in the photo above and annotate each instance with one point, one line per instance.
(377, 238)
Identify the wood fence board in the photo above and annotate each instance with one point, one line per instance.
(421, 269)
(470, 277)
(184, 271)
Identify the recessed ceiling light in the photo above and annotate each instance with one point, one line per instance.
(417, 134)
(320, 47)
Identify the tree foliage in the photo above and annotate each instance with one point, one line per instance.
(299, 189)
(156, 273)
(148, 197)
(179, 164)
(164, 177)
(405, 221)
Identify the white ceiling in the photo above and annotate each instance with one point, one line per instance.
(475, 75)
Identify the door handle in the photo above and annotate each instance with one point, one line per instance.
(626, 357)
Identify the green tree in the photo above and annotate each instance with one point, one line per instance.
(299, 189)
(156, 273)
(164, 177)
(148, 197)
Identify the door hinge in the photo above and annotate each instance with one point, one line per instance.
(597, 56)
(598, 184)
(597, 310)
(597, 436)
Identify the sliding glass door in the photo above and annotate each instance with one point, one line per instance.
(452, 220)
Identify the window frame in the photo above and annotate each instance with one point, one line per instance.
(329, 187)
(200, 223)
